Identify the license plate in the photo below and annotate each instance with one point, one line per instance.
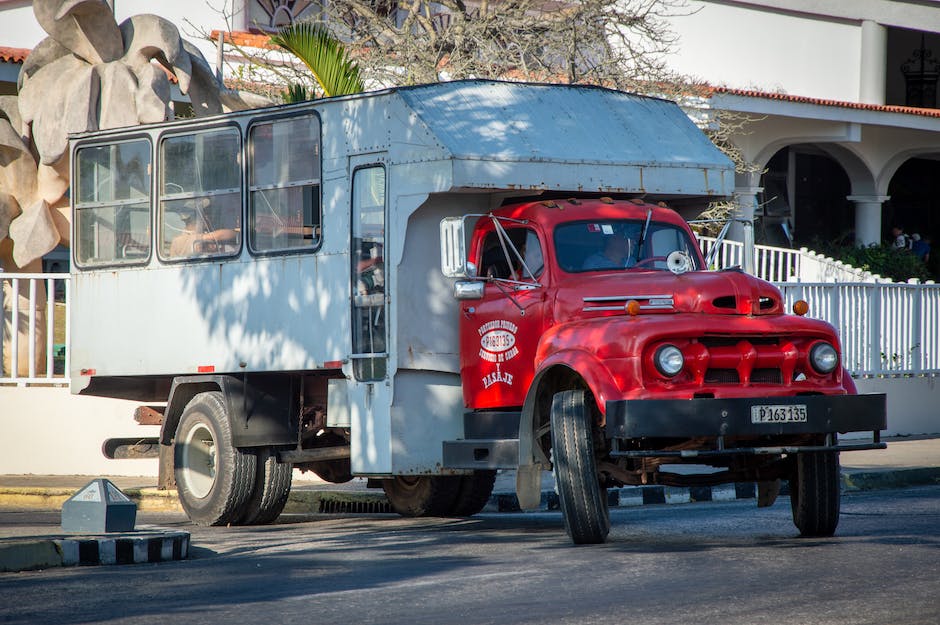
(794, 413)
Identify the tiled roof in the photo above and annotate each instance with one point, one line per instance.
(13, 55)
(881, 108)
(245, 39)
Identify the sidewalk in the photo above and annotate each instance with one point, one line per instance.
(906, 462)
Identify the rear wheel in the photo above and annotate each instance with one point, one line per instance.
(583, 501)
(473, 493)
(422, 495)
(270, 492)
(815, 493)
(214, 480)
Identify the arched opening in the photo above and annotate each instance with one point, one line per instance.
(804, 199)
(915, 202)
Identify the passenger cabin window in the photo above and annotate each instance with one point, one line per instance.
(368, 274)
(200, 195)
(112, 204)
(284, 185)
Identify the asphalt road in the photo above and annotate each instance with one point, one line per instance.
(726, 563)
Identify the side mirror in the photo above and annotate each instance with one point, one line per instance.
(454, 249)
(468, 289)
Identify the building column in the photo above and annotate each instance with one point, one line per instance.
(868, 218)
(742, 228)
(873, 70)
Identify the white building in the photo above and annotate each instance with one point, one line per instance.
(844, 94)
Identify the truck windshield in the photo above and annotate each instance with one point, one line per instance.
(613, 245)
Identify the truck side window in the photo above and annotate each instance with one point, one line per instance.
(495, 263)
(112, 204)
(200, 195)
(368, 274)
(284, 185)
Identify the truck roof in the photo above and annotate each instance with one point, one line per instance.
(550, 213)
(571, 137)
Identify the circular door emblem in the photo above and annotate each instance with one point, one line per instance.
(498, 341)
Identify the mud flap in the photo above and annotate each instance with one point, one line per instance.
(767, 493)
(529, 486)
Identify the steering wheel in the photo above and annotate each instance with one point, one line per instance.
(649, 261)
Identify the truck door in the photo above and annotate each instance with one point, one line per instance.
(500, 332)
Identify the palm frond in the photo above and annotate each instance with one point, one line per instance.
(324, 55)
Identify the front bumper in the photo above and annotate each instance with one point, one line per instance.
(736, 418)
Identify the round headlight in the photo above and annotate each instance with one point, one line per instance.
(669, 360)
(823, 357)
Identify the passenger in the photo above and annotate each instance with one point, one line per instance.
(197, 237)
(920, 247)
(899, 240)
(617, 254)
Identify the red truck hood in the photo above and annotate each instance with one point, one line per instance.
(662, 292)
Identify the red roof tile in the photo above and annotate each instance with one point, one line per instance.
(244, 39)
(13, 55)
(881, 108)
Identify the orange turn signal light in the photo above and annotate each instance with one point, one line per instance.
(633, 308)
(800, 307)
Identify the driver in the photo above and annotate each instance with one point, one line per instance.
(617, 253)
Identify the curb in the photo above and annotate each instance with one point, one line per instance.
(45, 498)
(346, 501)
(631, 496)
(898, 478)
(126, 548)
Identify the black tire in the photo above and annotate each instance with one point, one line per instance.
(270, 492)
(583, 501)
(422, 495)
(213, 478)
(473, 493)
(815, 493)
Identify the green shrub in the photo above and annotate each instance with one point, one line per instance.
(884, 260)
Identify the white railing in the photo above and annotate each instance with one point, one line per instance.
(774, 264)
(35, 328)
(780, 264)
(886, 329)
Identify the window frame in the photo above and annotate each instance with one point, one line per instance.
(249, 188)
(77, 205)
(359, 359)
(160, 197)
(639, 222)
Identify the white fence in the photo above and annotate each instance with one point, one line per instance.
(774, 264)
(780, 264)
(35, 328)
(886, 329)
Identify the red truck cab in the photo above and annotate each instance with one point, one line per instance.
(595, 342)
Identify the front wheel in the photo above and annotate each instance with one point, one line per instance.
(583, 501)
(815, 493)
(214, 480)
